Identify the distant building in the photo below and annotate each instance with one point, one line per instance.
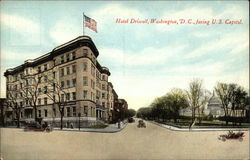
(215, 106)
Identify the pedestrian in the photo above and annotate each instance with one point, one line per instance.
(71, 125)
(119, 123)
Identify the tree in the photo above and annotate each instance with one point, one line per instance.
(30, 89)
(144, 112)
(176, 100)
(237, 98)
(194, 96)
(14, 101)
(224, 93)
(131, 113)
(57, 93)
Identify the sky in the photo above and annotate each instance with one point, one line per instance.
(146, 60)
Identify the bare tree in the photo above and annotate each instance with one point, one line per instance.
(223, 91)
(57, 93)
(14, 101)
(31, 90)
(194, 95)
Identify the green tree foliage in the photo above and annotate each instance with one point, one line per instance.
(165, 107)
(233, 97)
(131, 113)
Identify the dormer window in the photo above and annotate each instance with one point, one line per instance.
(67, 57)
(73, 55)
(45, 67)
(62, 59)
(39, 69)
(85, 52)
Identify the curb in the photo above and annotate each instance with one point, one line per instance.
(173, 128)
(94, 130)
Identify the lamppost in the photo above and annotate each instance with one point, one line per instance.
(79, 115)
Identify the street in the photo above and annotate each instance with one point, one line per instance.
(153, 142)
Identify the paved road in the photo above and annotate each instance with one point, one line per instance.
(153, 142)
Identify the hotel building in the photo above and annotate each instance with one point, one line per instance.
(70, 75)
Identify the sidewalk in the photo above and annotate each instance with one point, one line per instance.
(198, 129)
(111, 128)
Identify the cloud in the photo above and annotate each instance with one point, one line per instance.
(231, 41)
(11, 56)
(20, 24)
(23, 31)
(64, 30)
(147, 56)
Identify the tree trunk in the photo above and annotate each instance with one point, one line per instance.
(61, 122)
(35, 113)
(18, 119)
(199, 115)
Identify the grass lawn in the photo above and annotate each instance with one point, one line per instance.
(99, 126)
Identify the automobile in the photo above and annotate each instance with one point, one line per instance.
(232, 136)
(141, 124)
(38, 127)
(131, 120)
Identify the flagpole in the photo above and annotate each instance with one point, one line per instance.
(83, 23)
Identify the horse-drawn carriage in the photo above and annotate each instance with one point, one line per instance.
(141, 124)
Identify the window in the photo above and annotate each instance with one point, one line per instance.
(85, 94)
(45, 67)
(54, 86)
(39, 69)
(92, 84)
(103, 77)
(85, 52)
(39, 79)
(39, 101)
(67, 57)
(21, 85)
(74, 82)
(45, 78)
(91, 96)
(39, 113)
(103, 104)
(74, 95)
(74, 111)
(85, 81)
(54, 111)
(67, 96)
(73, 68)
(45, 101)
(68, 83)
(68, 70)
(54, 74)
(103, 95)
(45, 89)
(62, 97)
(62, 84)
(62, 72)
(45, 113)
(30, 81)
(103, 86)
(62, 59)
(73, 55)
(68, 112)
(92, 70)
(84, 68)
(85, 110)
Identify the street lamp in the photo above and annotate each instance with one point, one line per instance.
(79, 115)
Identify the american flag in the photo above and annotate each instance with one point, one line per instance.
(90, 23)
